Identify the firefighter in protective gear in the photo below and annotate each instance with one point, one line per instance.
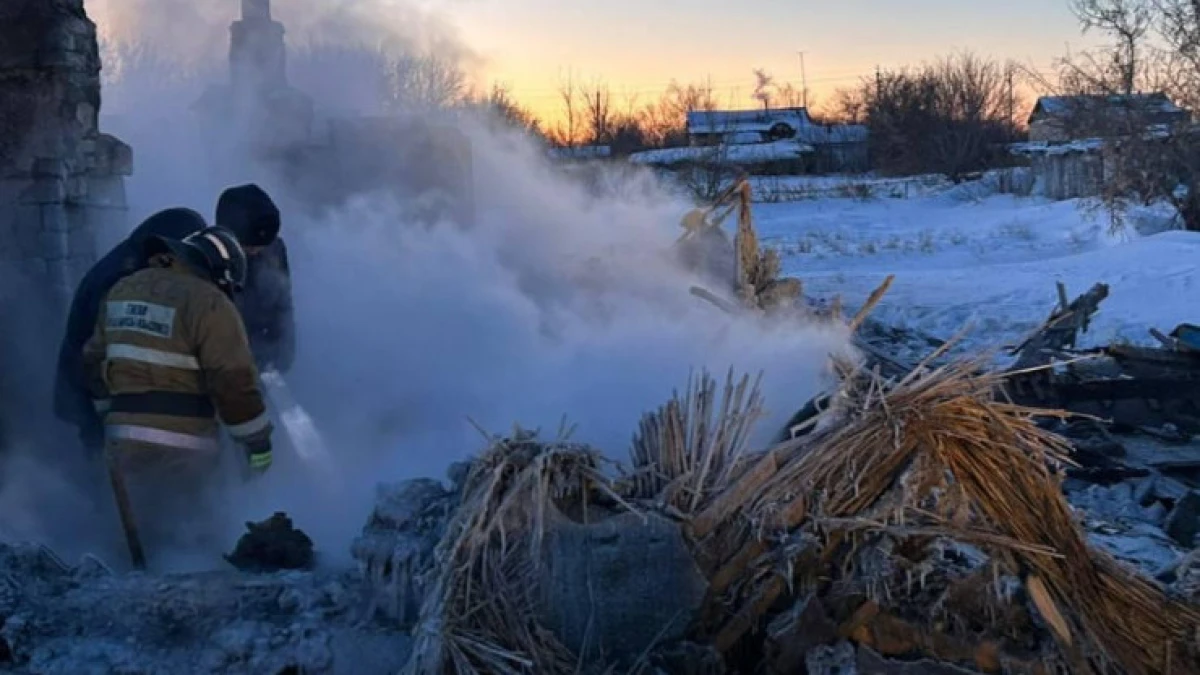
(72, 402)
(169, 361)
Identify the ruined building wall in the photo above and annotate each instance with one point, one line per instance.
(61, 180)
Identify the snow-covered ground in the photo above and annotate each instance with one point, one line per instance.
(991, 261)
(771, 189)
(736, 152)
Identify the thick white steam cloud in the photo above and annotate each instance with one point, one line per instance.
(558, 302)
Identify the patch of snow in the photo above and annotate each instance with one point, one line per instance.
(772, 189)
(1052, 148)
(729, 154)
(990, 262)
(1142, 546)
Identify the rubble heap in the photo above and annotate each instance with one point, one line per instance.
(57, 619)
(920, 527)
(929, 520)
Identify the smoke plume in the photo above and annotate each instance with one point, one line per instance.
(559, 301)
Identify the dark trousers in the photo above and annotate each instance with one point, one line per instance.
(171, 494)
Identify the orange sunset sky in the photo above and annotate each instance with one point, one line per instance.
(639, 47)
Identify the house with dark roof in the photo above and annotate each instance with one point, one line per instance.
(1075, 142)
(828, 147)
(1058, 119)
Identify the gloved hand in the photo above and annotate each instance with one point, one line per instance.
(258, 453)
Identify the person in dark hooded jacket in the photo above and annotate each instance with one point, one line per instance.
(266, 300)
(72, 400)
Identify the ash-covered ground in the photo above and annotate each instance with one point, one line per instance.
(80, 617)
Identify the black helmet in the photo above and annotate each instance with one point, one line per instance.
(215, 250)
(248, 211)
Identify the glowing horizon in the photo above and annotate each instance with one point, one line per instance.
(533, 45)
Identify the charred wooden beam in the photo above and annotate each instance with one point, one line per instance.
(1062, 328)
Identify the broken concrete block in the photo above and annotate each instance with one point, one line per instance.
(797, 631)
(1169, 489)
(1143, 491)
(618, 586)
(687, 658)
(839, 659)
(396, 546)
(1183, 523)
(870, 662)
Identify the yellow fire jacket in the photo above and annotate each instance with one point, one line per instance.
(169, 358)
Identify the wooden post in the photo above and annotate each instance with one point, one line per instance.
(136, 553)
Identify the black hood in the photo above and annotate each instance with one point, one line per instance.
(175, 223)
(249, 212)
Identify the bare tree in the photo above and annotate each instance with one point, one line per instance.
(847, 107)
(1156, 47)
(1177, 24)
(424, 82)
(1128, 22)
(791, 96)
(764, 88)
(947, 117)
(664, 122)
(568, 132)
(500, 105)
(599, 117)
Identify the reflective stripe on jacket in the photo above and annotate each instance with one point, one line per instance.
(168, 351)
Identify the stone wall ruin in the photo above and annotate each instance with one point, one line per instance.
(61, 179)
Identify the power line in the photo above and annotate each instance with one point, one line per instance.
(540, 94)
(855, 76)
(662, 86)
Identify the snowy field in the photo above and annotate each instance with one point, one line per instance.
(988, 261)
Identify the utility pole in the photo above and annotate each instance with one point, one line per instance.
(803, 81)
(1012, 112)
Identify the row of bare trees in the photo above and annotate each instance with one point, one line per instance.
(590, 114)
(953, 116)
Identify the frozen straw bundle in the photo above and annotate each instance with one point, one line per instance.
(909, 470)
(479, 615)
(688, 449)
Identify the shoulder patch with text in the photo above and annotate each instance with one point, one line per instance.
(141, 317)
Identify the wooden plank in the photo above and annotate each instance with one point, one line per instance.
(1124, 353)
(872, 301)
(860, 618)
(734, 497)
(750, 615)
(736, 567)
(1061, 329)
(1165, 341)
(1161, 389)
(890, 366)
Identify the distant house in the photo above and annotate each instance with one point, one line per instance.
(580, 153)
(1065, 170)
(773, 155)
(836, 147)
(1068, 118)
(1075, 141)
